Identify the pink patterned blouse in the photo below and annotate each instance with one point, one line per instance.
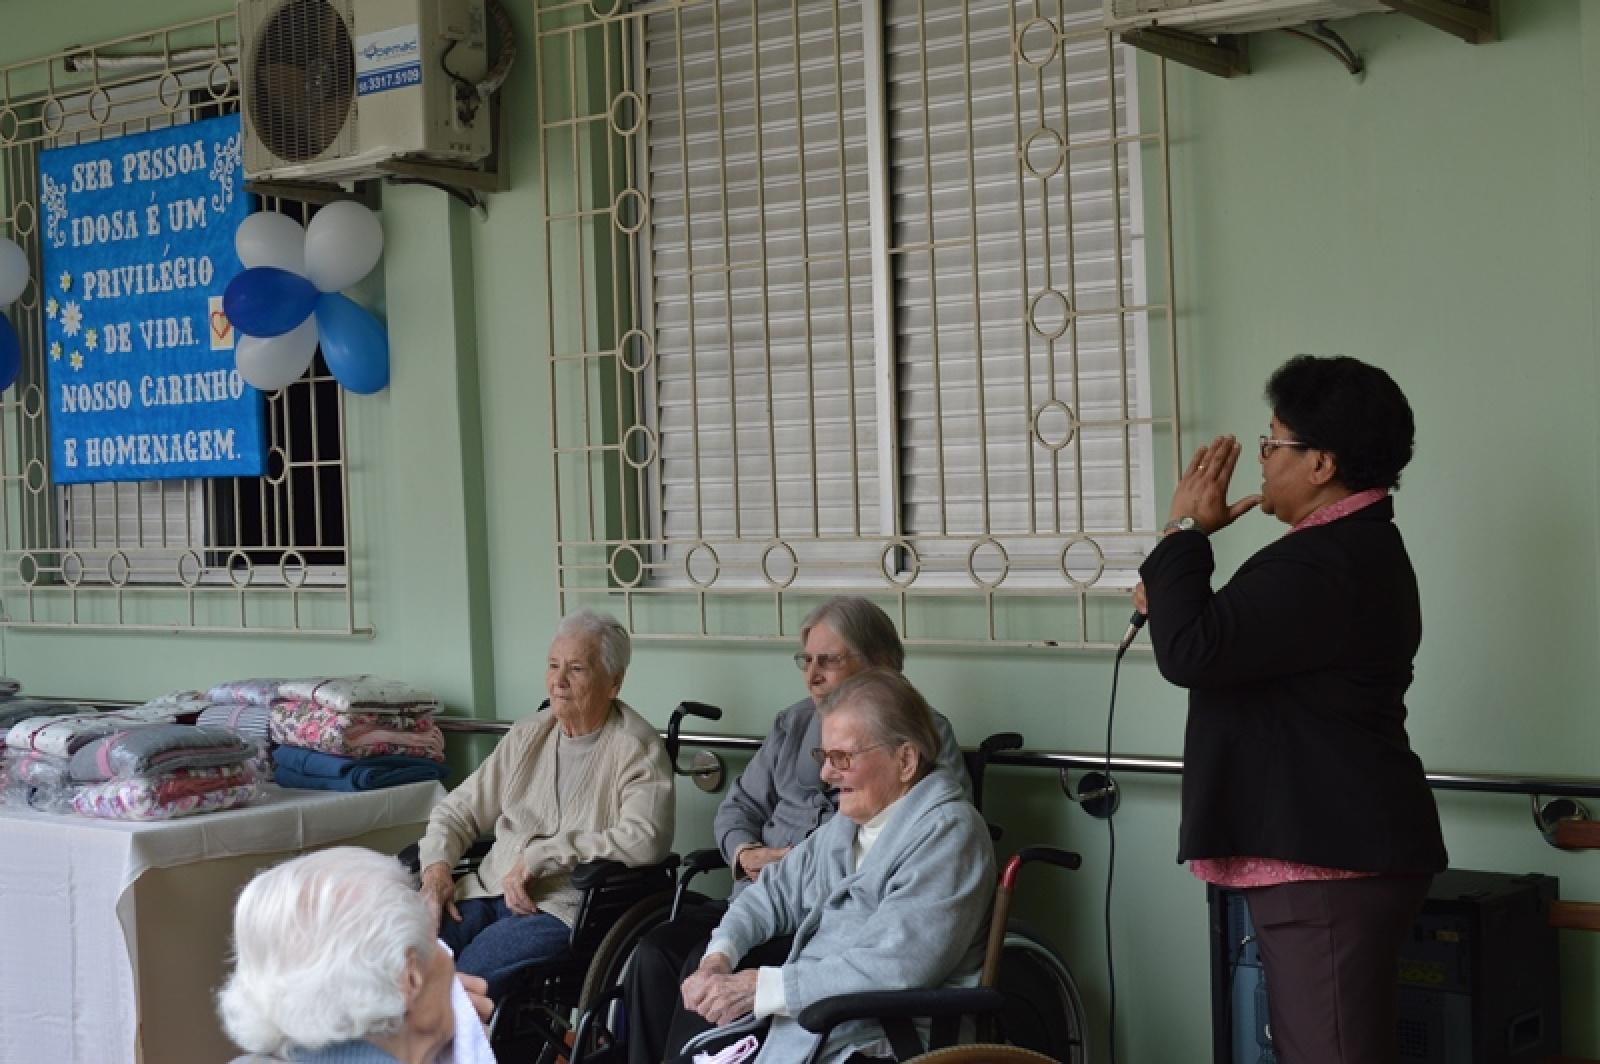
(1269, 871)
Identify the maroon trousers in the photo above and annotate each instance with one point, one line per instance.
(1330, 949)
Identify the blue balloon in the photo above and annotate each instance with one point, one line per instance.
(354, 344)
(266, 301)
(10, 353)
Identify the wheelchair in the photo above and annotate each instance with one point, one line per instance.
(1028, 998)
(531, 1021)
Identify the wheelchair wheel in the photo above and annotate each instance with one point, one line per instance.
(982, 1054)
(1043, 1011)
(611, 957)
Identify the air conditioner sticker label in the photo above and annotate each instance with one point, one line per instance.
(388, 59)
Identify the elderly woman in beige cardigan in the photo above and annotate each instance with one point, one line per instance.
(587, 779)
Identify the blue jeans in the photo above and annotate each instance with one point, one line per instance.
(493, 942)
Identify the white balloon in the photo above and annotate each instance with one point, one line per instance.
(273, 362)
(268, 238)
(343, 243)
(13, 271)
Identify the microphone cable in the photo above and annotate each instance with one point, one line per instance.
(1111, 797)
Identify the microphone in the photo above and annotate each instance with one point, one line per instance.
(1135, 623)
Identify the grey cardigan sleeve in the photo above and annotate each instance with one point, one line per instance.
(753, 796)
(950, 757)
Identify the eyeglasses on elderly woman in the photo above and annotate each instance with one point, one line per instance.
(1268, 445)
(825, 662)
(840, 759)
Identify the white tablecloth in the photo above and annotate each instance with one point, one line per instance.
(68, 953)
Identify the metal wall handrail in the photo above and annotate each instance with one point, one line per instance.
(1489, 783)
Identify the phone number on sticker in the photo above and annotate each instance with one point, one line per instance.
(388, 79)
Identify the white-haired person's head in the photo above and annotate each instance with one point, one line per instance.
(334, 947)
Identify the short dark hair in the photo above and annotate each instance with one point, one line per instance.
(1355, 411)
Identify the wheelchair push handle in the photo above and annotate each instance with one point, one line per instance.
(675, 724)
(1001, 742)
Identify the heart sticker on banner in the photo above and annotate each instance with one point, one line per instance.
(220, 326)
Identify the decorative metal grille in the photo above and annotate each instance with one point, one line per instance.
(240, 554)
(866, 297)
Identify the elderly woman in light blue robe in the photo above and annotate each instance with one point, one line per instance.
(893, 893)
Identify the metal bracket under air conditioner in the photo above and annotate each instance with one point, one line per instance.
(467, 183)
(1226, 55)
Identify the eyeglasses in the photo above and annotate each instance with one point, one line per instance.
(825, 662)
(840, 759)
(1268, 445)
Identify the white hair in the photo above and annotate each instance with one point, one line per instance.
(320, 950)
(616, 649)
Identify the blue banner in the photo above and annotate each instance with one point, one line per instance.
(138, 247)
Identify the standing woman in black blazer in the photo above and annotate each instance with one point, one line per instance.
(1299, 782)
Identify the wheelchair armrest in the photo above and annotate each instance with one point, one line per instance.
(825, 1015)
(614, 873)
(410, 858)
(707, 860)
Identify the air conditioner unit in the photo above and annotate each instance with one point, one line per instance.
(1211, 17)
(333, 88)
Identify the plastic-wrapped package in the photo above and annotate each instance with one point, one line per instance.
(66, 735)
(153, 749)
(183, 792)
(36, 781)
(316, 727)
(15, 710)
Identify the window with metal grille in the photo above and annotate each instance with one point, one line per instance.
(228, 554)
(888, 326)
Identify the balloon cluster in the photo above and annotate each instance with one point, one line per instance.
(287, 299)
(14, 274)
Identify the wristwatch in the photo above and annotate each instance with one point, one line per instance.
(1181, 524)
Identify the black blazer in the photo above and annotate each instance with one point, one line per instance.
(1297, 669)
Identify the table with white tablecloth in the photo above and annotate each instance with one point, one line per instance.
(115, 935)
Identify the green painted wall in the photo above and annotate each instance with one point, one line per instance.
(1436, 217)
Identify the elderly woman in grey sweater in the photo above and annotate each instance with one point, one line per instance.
(892, 893)
(585, 780)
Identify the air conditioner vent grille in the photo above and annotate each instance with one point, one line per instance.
(303, 81)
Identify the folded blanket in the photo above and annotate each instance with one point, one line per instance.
(315, 727)
(15, 710)
(313, 770)
(151, 749)
(179, 703)
(262, 691)
(64, 736)
(160, 798)
(349, 694)
(246, 721)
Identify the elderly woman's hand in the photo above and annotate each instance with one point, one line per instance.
(1202, 490)
(439, 891)
(515, 884)
(718, 993)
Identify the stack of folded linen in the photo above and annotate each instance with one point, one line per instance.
(312, 770)
(39, 746)
(162, 771)
(354, 720)
(243, 710)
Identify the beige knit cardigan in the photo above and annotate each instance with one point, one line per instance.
(620, 807)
